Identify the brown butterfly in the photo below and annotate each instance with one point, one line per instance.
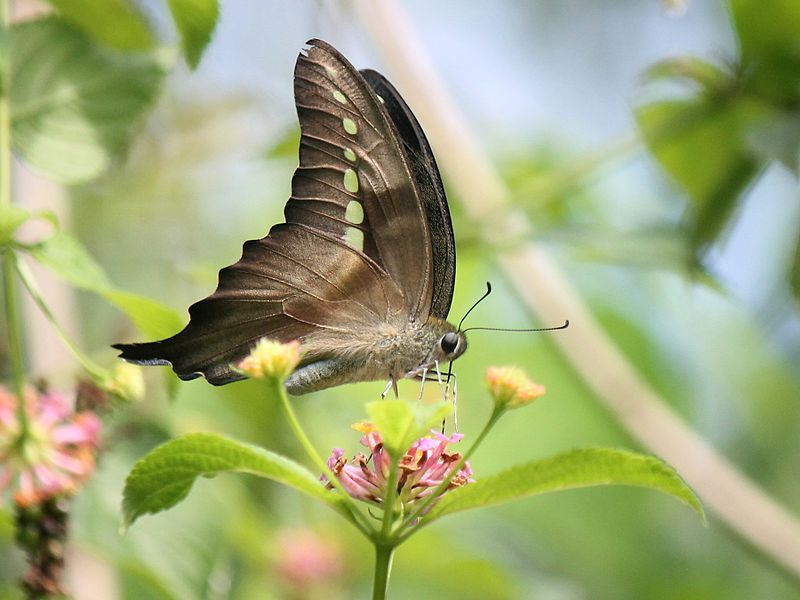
(362, 271)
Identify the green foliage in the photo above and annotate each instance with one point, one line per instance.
(702, 145)
(11, 217)
(164, 476)
(74, 104)
(116, 23)
(195, 20)
(401, 422)
(733, 122)
(68, 259)
(569, 470)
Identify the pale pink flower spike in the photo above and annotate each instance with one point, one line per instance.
(56, 456)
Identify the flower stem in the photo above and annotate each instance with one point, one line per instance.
(357, 518)
(423, 506)
(15, 343)
(383, 568)
(95, 371)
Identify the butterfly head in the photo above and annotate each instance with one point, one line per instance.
(446, 348)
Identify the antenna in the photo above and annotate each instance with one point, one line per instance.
(564, 326)
(478, 301)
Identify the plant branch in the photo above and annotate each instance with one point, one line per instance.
(15, 343)
(358, 518)
(95, 371)
(734, 498)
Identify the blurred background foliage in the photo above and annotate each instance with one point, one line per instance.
(655, 146)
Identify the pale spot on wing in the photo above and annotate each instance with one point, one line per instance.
(349, 126)
(350, 181)
(339, 96)
(354, 212)
(354, 238)
(349, 155)
(380, 98)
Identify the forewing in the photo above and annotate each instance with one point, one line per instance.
(354, 180)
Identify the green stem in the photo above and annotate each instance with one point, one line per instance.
(431, 498)
(358, 518)
(383, 568)
(389, 500)
(15, 343)
(95, 371)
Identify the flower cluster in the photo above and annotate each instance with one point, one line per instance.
(510, 387)
(270, 360)
(56, 453)
(424, 466)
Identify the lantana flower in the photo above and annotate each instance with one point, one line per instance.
(270, 360)
(55, 456)
(424, 466)
(510, 387)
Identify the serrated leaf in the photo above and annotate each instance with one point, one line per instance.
(74, 104)
(400, 422)
(116, 23)
(69, 260)
(165, 476)
(195, 20)
(569, 470)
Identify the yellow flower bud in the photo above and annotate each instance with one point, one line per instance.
(125, 381)
(511, 388)
(270, 360)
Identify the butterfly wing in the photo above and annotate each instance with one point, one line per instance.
(355, 252)
(434, 201)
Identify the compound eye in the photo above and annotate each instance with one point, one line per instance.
(449, 342)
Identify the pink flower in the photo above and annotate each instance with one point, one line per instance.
(424, 466)
(58, 453)
(304, 559)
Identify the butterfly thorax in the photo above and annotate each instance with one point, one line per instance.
(387, 352)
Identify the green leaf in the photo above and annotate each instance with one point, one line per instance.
(707, 75)
(74, 105)
(701, 144)
(767, 27)
(569, 470)
(286, 145)
(150, 317)
(401, 422)
(11, 217)
(195, 20)
(116, 23)
(164, 476)
(68, 259)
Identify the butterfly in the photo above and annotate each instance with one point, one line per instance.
(361, 273)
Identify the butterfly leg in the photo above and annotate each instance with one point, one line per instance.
(439, 379)
(390, 385)
(455, 400)
(422, 383)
